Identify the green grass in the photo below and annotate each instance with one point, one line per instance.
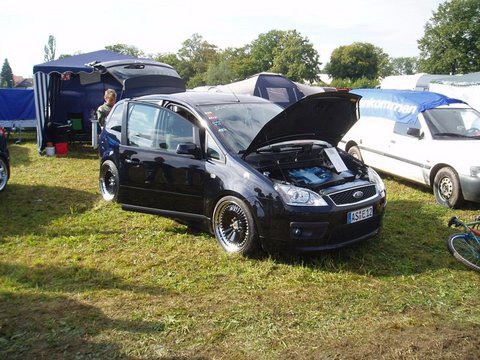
(80, 278)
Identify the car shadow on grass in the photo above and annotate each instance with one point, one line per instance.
(57, 327)
(26, 209)
(40, 320)
(70, 278)
(412, 241)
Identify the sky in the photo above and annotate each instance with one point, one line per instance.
(161, 26)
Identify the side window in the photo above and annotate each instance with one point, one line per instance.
(213, 150)
(141, 125)
(114, 123)
(173, 130)
(401, 128)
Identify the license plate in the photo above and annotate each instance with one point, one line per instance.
(359, 215)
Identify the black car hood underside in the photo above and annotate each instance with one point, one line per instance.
(324, 116)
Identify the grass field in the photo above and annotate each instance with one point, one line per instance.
(82, 279)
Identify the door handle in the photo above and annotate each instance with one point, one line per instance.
(133, 161)
(393, 141)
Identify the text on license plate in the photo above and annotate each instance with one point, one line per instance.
(360, 214)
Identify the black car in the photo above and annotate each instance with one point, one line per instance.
(249, 171)
(4, 160)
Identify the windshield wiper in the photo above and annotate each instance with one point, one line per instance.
(456, 135)
(286, 147)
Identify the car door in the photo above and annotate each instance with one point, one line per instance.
(408, 152)
(154, 176)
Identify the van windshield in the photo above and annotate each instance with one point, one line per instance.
(453, 123)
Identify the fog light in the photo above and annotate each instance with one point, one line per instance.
(297, 232)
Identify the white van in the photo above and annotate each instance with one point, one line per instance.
(420, 136)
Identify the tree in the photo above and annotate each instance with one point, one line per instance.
(296, 58)
(384, 63)
(240, 61)
(167, 58)
(451, 42)
(220, 73)
(126, 50)
(50, 48)
(355, 61)
(403, 65)
(262, 49)
(195, 56)
(6, 76)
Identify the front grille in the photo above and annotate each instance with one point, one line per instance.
(345, 233)
(346, 197)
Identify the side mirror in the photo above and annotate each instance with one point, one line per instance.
(188, 149)
(415, 132)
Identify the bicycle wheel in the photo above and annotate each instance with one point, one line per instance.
(466, 249)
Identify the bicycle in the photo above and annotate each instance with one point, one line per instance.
(465, 246)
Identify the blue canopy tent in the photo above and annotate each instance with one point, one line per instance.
(274, 87)
(72, 88)
(17, 108)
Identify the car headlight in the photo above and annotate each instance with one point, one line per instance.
(373, 176)
(475, 171)
(296, 196)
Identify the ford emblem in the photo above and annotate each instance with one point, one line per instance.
(358, 194)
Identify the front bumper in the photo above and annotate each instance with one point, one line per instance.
(470, 188)
(323, 229)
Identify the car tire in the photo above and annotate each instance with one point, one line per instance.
(4, 173)
(109, 181)
(234, 227)
(355, 152)
(447, 189)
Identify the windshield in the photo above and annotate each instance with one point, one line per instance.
(239, 123)
(127, 71)
(453, 123)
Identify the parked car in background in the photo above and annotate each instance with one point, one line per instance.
(420, 136)
(4, 160)
(253, 174)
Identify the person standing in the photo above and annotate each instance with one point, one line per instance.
(103, 110)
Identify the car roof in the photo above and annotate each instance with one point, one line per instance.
(203, 98)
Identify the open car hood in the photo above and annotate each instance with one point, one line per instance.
(324, 116)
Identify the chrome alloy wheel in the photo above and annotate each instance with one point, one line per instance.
(108, 185)
(231, 226)
(3, 174)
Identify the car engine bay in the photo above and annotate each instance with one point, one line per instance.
(307, 165)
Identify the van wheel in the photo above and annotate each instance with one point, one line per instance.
(109, 181)
(355, 152)
(446, 188)
(234, 227)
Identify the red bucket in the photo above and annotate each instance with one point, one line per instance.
(61, 149)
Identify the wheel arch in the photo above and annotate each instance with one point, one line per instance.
(255, 214)
(436, 168)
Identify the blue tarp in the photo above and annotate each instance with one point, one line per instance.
(399, 105)
(17, 104)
